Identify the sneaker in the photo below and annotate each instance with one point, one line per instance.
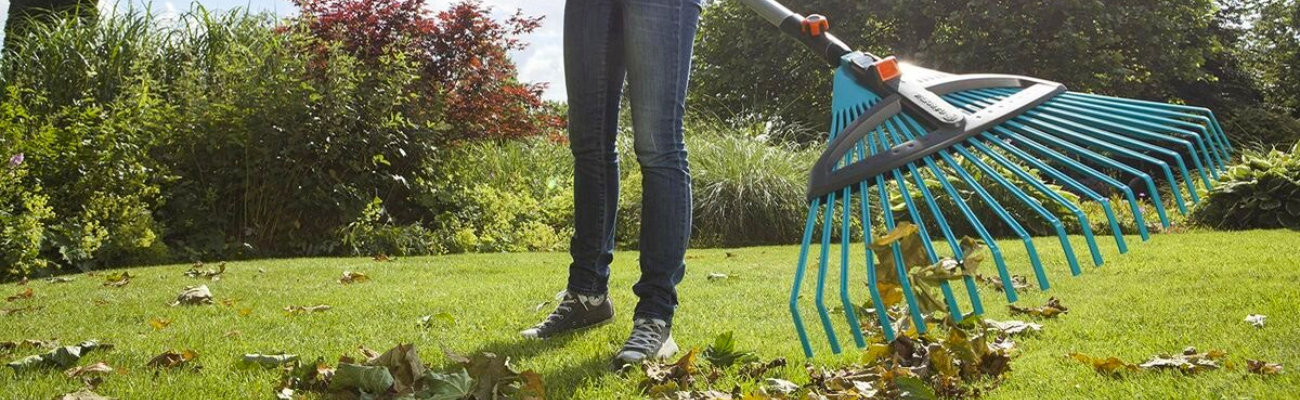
(575, 313)
(651, 338)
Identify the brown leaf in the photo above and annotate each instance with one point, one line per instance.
(1049, 310)
(96, 368)
(19, 310)
(171, 360)
(1018, 282)
(381, 257)
(296, 310)
(118, 280)
(196, 271)
(159, 323)
(61, 279)
(1013, 328)
(533, 388)
(403, 362)
(1190, 362)
(194, 296)
(1263, 367)
(232, 334)
(23, 295)
(1110, 366)
(662, 377)
(350, 277)
(83, 394)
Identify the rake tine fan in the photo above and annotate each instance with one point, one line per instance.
(1024, 150)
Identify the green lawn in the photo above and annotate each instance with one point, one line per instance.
(1175, 291)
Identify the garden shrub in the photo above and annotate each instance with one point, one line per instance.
(24, 213)
(1260, 192)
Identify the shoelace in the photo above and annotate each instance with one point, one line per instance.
(561, 310)
(645, 336)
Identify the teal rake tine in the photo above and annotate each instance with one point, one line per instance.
(850, 312)
(1033, 204)
(1158, 119)
(1169, 118)
(974, 185)
(820, 300)
(917, 319)
(1089, 117)
(1208, 116)
(798, 277)
(1049, 193)
(977, 306)
(1096, 158)
(1073, 185)
(876, 299)
(1054, 124)
(966, 211)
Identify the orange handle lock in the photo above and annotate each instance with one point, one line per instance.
(815, 25)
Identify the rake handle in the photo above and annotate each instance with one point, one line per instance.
(822, 43)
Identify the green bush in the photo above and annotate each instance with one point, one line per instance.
(24, 212)
(1261, 192)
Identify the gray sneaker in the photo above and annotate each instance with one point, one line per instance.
(574, 313)
(651, 338)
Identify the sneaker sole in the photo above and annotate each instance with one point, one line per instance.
(668, 349)
(598, 324)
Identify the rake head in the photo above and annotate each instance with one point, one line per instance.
(926, 136)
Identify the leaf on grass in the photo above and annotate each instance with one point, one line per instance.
(1052, 309)
(193, 296)
(1256, 320)
(667, 378)
(533, 389)
(173, 360)
(61, 279)
(83, 394)
(1018, 282)
(383, 258)
(758, 369)
(723, 353)
(62, 357)
(1013, 328)
(493, 375)
(718, 276)
(440, 386)
(19, 310)
(23, 295)
(93, 369)
(232, 334)
(403, 364)
(296, 310)
(267, 360)
(781, 386)
(1189, 362)
(1110, 366)
(1263, 367)
(197, 271)
(442, 318)
(350, 277)
(118, 280)
(159, 323)
(368, 379)
(913, 388)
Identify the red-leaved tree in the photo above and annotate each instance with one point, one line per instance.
(464, 54)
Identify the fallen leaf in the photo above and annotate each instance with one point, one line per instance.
(23, 295)
(244, 312)
(1013, 328)
(23, 281)
(19, 310)
(159, 323)
(350, 277)
(457, 385)
(229, 302)
(533, 388)
(96, 368)
(780, 386)
(1263, 367)
(62, 357)
(1189, 362)
(382, 258)
(232, 334)
(717, 276)
(83, 394)
(118, 280)
(403, 364)
(1052, 309)
(172, 360)
(61, 279)
(295, 310)
(197, 271)
(267, 360)
(442, 318)
(369, 379)
(1018, 282)
(1256, 320)
(1110, 366)
(194, 296)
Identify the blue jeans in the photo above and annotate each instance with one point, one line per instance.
(648, 43)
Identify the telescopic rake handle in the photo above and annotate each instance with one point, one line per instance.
(812, 31)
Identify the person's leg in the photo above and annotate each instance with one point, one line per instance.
(594, 74)
(659, 35)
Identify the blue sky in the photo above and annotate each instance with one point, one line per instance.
(540, 62)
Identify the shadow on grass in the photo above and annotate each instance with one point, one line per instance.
(560, 382)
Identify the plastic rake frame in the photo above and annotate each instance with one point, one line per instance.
(1069, 137)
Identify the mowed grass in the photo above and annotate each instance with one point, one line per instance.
(1174, 291)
